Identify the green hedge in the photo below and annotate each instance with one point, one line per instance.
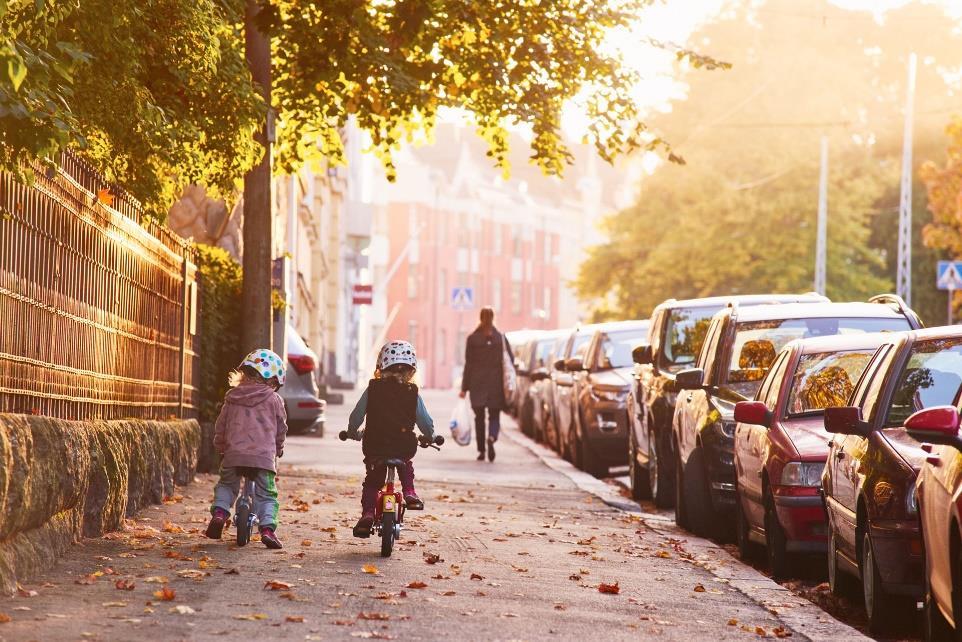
(220, 325)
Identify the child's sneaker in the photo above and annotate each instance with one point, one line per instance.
(217, 523)
(364, 526)
(412, 501)
(269, 538)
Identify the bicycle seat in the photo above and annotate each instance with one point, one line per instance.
(396, 463)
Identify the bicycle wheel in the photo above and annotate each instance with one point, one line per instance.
(243, 522)
(387, 534)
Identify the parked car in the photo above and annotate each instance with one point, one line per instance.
(781, 445)
(517, 339)
(599, 430)
(545, 426)
(675, 335)
(532, 368)
(562, 387)
(869, 479)
(737, 353)
(305, 409)
(939, 492)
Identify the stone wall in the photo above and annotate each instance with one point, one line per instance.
(63, 480)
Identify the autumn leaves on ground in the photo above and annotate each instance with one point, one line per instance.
(511, 550)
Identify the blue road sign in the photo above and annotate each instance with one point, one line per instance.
(949, 275)
(462, 298)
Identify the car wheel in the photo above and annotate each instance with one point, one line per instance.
(639, 478)
(698, 509)
(590, 462)
(775, 548)
(659, 474)
(879, 605)
(681, 506)
(747, 550)
(935, 627)
(525, 418)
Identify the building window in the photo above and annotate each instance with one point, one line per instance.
(516, 295)
(496, 294)
(413, 333)
(412, 282)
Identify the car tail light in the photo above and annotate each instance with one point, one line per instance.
(301, 363)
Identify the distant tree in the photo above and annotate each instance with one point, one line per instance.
(943, 184)
(741, 215)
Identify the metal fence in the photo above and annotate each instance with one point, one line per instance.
(97, 304)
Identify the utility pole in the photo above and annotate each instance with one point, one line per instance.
(821, 233)
(904, 277)
(257, 327)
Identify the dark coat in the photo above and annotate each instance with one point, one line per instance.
(391, 411)
(483, 369)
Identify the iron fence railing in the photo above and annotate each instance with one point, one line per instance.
(97, 304)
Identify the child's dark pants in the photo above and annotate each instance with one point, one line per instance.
(374, 480)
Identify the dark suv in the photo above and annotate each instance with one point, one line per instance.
(739, 349)
(599, 418)
(674, 338)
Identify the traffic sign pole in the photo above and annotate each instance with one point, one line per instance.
(951, 296)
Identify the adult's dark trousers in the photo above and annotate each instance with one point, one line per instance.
(493, 425)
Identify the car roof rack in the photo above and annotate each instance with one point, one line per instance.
(900, 305)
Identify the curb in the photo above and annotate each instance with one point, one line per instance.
(797, 613)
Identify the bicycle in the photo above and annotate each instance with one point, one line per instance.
(244, 515)
(390, 508)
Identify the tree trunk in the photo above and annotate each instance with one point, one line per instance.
(258, 238)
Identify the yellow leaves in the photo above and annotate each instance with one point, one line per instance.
(370, 569)
(181, 609)
(276, 585)
(297, 619)
(165, 594)
(252, 617)
(170, 527)
(157, 579)
(105, 197)
(4, 618)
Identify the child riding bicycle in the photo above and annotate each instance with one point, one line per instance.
(393, 407)
(249, 434)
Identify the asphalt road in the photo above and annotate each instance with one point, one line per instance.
(519, 548)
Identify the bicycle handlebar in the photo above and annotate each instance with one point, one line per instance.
(422, 440)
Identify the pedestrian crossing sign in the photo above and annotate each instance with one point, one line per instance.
(949, 275)
(462, 298)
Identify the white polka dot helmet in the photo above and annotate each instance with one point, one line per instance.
(395, 352)
(267, 364)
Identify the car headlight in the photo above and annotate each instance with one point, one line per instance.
(611, 394)
(798, 473)
(726, 427)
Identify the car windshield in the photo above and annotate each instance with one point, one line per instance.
(757, 343)
(684, 334)
(616, 347)
(825, 380)
(580, 344)
(931, 377)
(542, 352)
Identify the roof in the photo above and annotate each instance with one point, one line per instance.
(742, 299)
(609, 326)
(843, 342)
(941, 332)
(816, 311)
(548, 335)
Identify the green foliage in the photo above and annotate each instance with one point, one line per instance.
(741, 216)
(155, 93)
(393, 65)
(220, 279)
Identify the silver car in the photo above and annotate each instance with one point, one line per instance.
(305, 409)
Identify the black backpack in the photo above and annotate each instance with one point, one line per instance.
(391, 411)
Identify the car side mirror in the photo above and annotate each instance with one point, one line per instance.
(936, 425)
(690, 379)
(574, 364)
(846, 420)
(753, 412)
(539, 374)
(559, 365)
(641, 354)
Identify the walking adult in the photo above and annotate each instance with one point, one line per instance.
(483, 378)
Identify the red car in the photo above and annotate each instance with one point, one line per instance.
(781, 445)
(939, 492)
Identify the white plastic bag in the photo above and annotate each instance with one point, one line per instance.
(461, 423)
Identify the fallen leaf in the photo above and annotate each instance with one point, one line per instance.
(663, 554)
(699, 588)
(251, 616)
(306, 542)
(170, 527)
(104, 196)
(432, 558)
(4, 618)
(112, 604)
(182, 609)
(475, 576)
(232, 571)
(157, 579)
(781, 632)
(733, 622)
(574, 578)
(177, 555)
(612, 589)
(192, 574)
(520, 569)
(276, 585)
(166, 594)
(370, 569)
(86, 579)
(449, 594)
(373, 616)
(760, 632)
(417, 585)
(294, 618)
(371, 635)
